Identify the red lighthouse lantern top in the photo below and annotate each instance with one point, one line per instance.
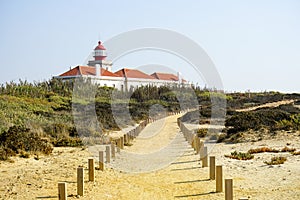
(100, 46)
(99, 52)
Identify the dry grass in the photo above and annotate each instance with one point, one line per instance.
(276, 160)
(271, 150)
(287, 149)
(263, 150)
(296, 153)
(240, 156)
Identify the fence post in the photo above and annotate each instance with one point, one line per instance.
(212, 167)
(122, 143)
(198, 142)
(219, 178)
(80, 181)
(204, 157)
(125, 139)
(113, 150)
(62, 191)
(91, 169)
(101, 160)
(228, 189)
(194, 142)
(107, 151)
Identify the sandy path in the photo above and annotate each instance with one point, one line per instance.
(273, 104)
(158, 145)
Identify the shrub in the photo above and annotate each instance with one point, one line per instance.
(262, 150)
(20, 139)
(257, 119)
(5, 153)
(24, 154)
(296, 153)
(276, 160)
(287, 149)
(240, 156)
(67, 142)
(221, 137)
(202, 132)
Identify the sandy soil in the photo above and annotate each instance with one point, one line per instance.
(183, 178)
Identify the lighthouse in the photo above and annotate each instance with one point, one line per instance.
(99, 55)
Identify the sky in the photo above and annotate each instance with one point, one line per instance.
(254, 44)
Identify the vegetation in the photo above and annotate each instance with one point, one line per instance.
(20, 140)
(271, 150)
(276, 160)
(44, 111)
(244, 100)
(262, 121)
(296, 153)
(263, 150)
(240, 156)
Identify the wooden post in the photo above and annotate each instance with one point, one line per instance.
(131, 135)
(122, 143)
(80, 181)
(194, 142)
(219, 179)
(212, 167)
(201, 148)
(228, 189)
(91, 169)
(204, 157)
(62, 191)
(107, 151)
(197, 145)
(125, 139)
(101, 160)
(113, 150)
(128, 138)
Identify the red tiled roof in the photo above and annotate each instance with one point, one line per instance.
(71, 72)
(133, 73)
(87, 70)
(164, 76)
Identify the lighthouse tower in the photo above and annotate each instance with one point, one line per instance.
(99, 56)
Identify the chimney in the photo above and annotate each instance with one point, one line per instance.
(98, 70)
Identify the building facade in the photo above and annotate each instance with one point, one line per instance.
(99, 70)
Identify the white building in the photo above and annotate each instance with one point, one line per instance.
(100, 71)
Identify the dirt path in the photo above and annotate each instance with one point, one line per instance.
(273, 104)
(158, 145)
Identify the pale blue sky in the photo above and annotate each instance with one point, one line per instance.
(255, 44)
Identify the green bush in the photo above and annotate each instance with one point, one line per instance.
(20, 139)
(240, 156)
(202, 132)
(67, 142)
(256, 120)
(5, 153)
(276, 160)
